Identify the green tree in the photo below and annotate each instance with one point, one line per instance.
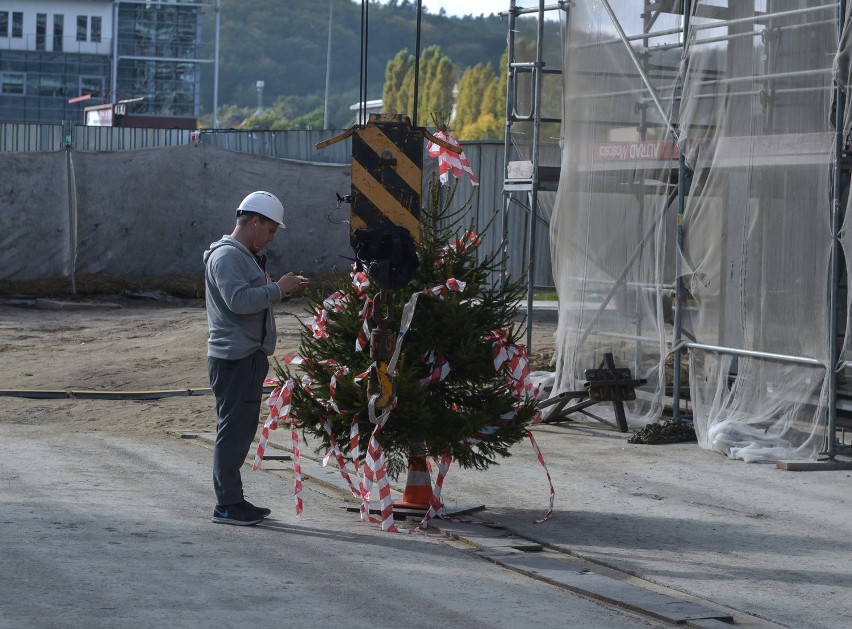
(481, 103)
(473, 85)
(436, 82)
(498, 105)
(396, 95)
(268, 120)
(486, 127)
(312, 120)
(472, 412)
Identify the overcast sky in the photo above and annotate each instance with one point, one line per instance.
(467, 7)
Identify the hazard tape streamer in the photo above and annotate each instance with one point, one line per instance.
(450, 161)
(279, 403)
(507, 356)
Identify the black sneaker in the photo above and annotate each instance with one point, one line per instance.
(235, 514)
(262, 511)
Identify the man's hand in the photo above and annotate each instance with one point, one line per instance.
(292, 283)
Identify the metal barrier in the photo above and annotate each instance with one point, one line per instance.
(486, 159)
(297, 144)
(29, 138)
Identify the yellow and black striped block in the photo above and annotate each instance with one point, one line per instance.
(387, 174)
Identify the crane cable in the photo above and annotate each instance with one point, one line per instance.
(417, 62)
(362, 82)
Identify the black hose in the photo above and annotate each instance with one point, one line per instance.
(87, 394)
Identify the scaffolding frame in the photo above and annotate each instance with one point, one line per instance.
(535, 183)
(528, 184)
(165, 60)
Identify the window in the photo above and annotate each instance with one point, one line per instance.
(96, 29)
(93, 85)
(17, 24)
(58, 32)
(82, 27)
(12, 83)
(51, 85)
(41, 30)
(4, 23)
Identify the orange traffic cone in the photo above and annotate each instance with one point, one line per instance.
(418, 486)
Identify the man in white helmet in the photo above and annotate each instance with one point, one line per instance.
(240, 295)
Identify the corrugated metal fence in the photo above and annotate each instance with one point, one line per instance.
(300, 145)
(486, 158)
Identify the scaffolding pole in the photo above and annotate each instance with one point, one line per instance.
(533, 215)
(836, 252)
(684, 178)
(532, 186)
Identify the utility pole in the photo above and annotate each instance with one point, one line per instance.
(216, 68)
(327, 68)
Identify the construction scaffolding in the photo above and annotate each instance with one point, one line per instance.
(158, 55)
(531, 149)
(698, 231)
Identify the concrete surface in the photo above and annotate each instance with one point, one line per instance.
(768, 547)
(108, 530)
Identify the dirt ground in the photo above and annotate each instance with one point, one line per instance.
(128, 344)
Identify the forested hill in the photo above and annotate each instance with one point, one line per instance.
(284, 44)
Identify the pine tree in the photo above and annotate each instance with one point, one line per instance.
(474, 414)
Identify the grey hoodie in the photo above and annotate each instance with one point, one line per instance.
(239, 297)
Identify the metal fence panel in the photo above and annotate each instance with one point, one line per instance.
(486, 159)
(299, 144)
(87, 138)
(487, 162)
(30, 138)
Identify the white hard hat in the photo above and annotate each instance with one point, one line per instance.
(264, 203)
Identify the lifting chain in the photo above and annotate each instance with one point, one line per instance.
(381, 388)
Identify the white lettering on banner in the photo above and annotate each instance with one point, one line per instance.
(612, 151)
(646, 150)
(623, 151)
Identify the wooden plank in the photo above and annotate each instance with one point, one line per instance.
(814, 466)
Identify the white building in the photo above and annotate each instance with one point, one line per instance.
(56, 51)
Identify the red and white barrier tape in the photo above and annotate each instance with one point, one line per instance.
(513, 357)
(375, 471)
(468, 241)
(279, 402)
(549, 479)
(297, 468)
(449, 161)
(341, 463)
(440, 368)
(362, 341)
(354, 441)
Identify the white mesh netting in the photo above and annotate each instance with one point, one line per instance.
(611, 232)
(754, 127)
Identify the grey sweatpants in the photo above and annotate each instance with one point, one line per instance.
(238, 387)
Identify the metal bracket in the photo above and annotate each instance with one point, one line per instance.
(607, 383)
